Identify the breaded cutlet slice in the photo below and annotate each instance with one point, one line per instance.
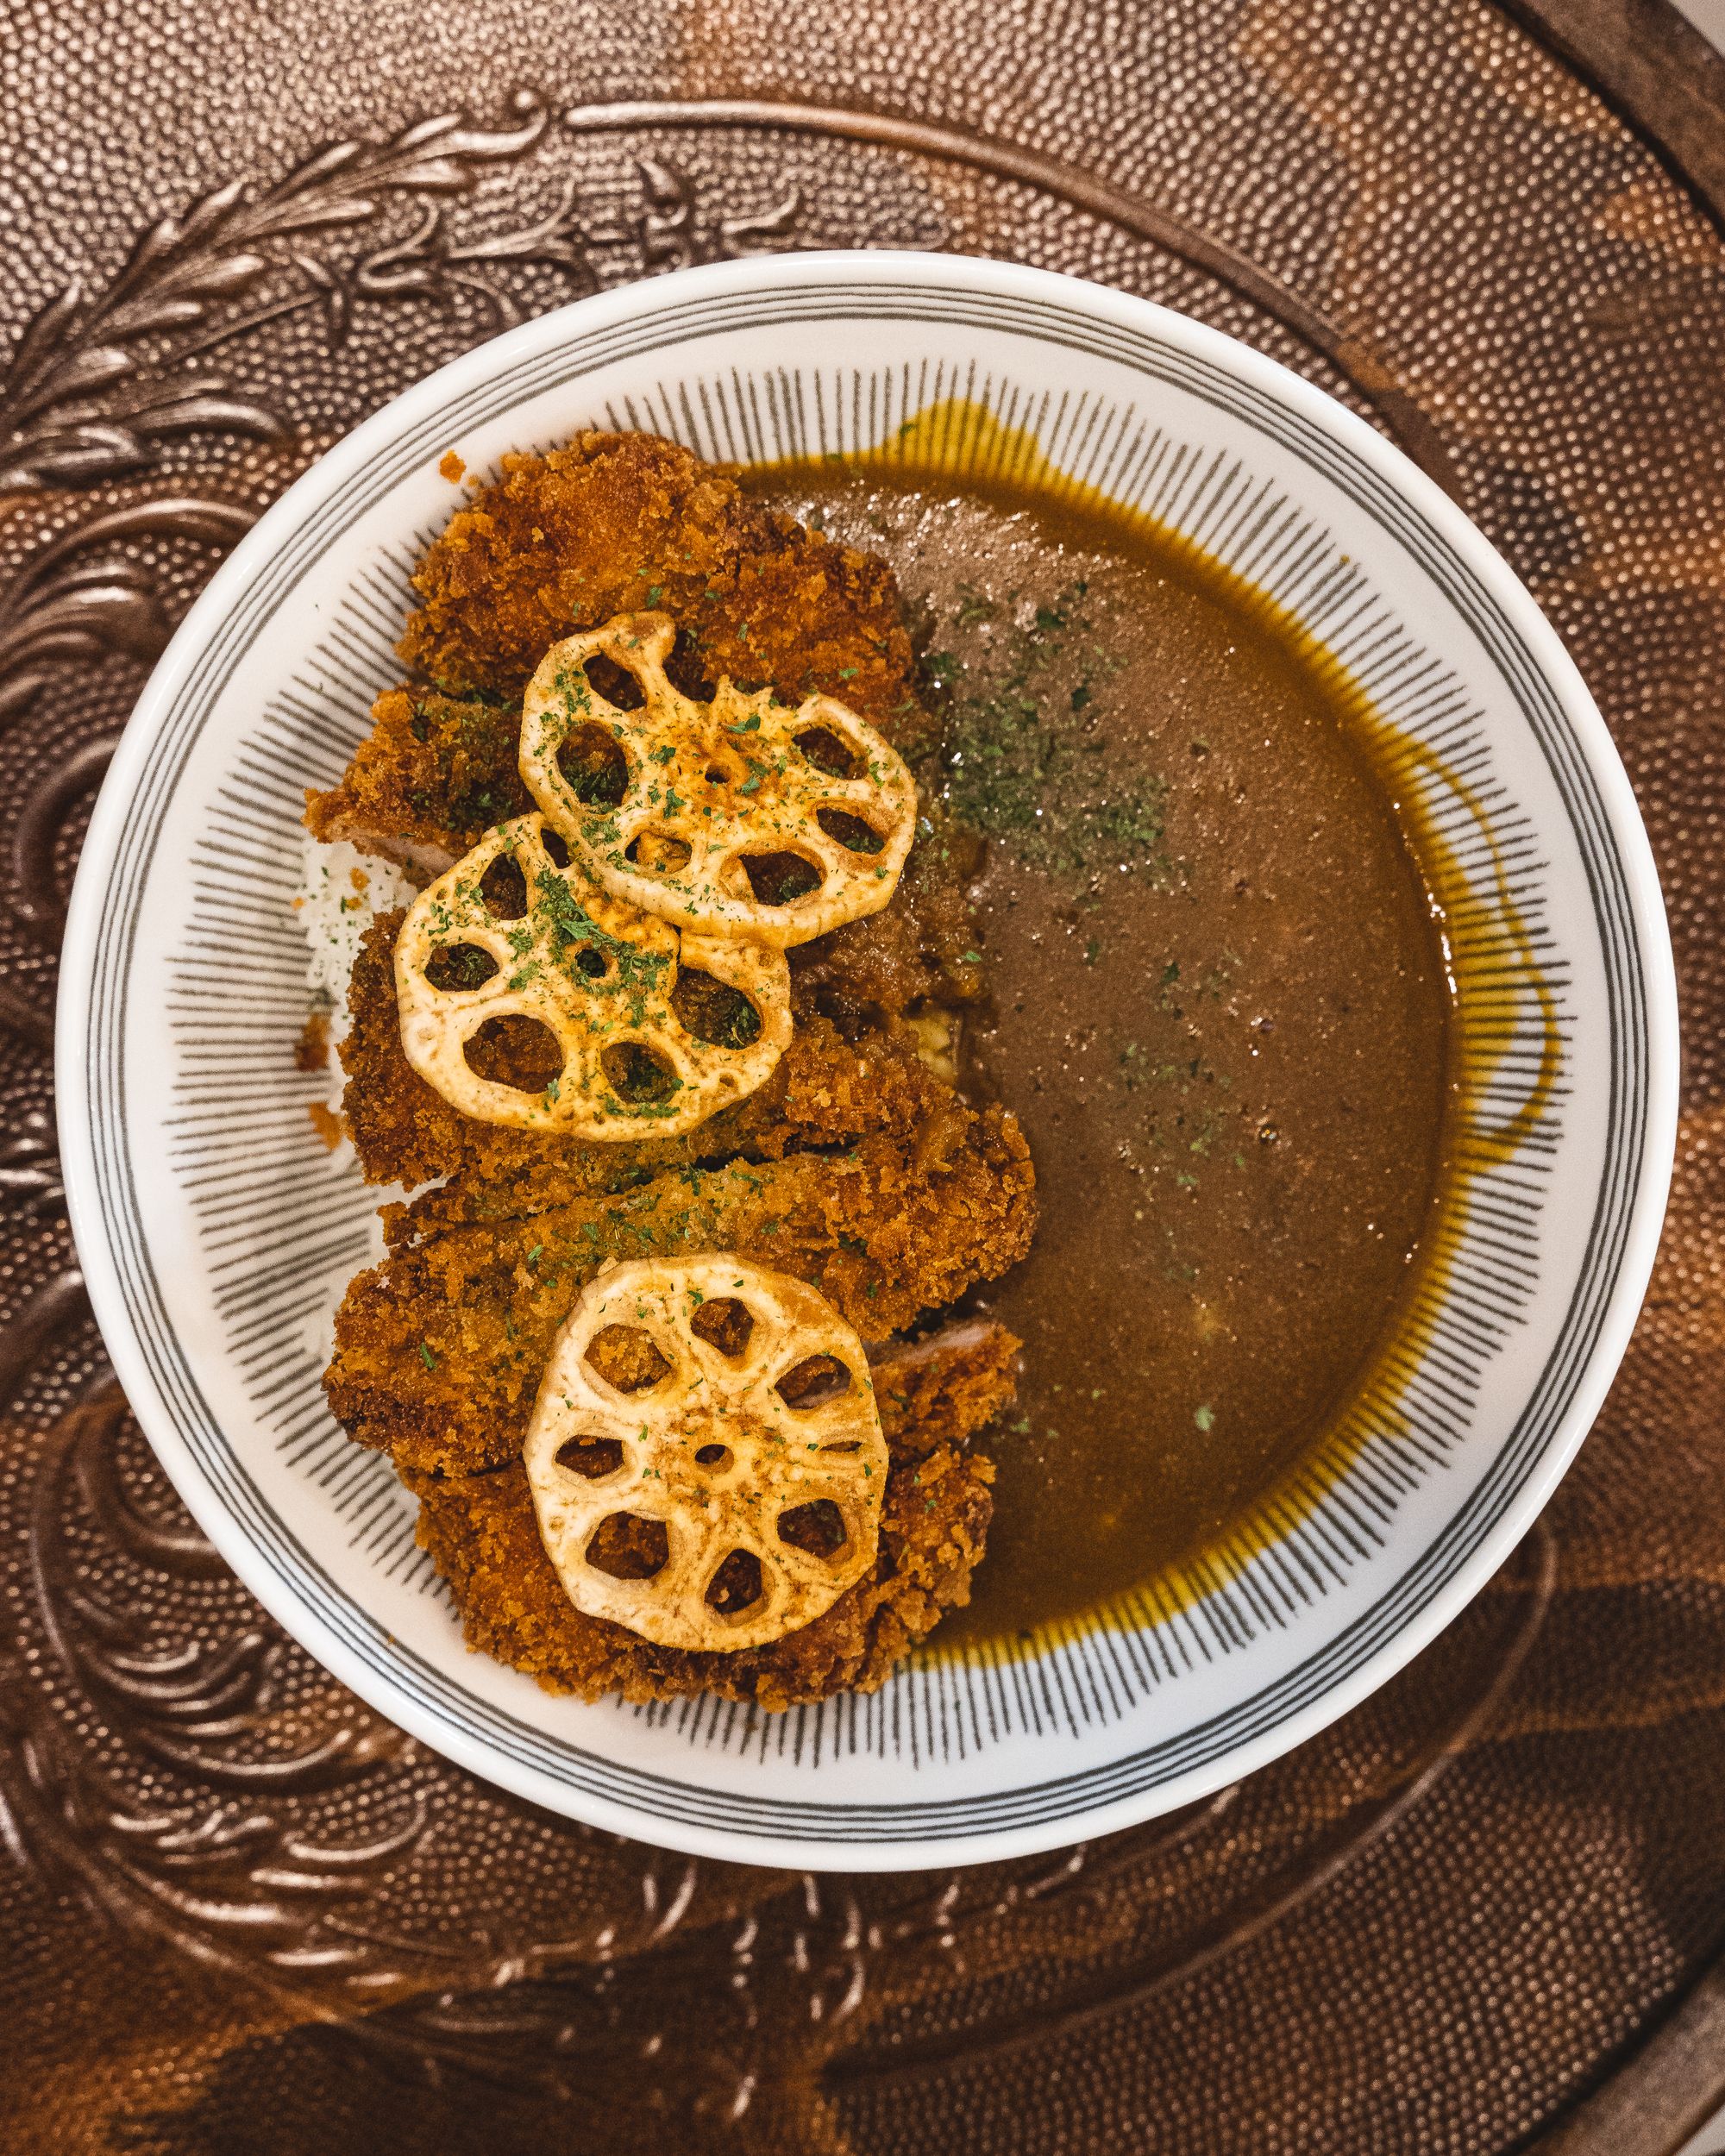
(919, 951)
(439, 1350)
(482, 1534)
(942, 1388)
(481, 1530)
(433, 775)
(826, 1091)
(613, 523)
(439, 769)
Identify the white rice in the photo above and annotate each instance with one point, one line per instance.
(341, 891)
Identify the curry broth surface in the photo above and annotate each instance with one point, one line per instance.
(1219, 1008)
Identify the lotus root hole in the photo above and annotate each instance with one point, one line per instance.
(637, 1074)
(615, 683)
(816, 1527)
(828, 752)
(454, 966)
(660, 853)
(626, 1547)
(724, 1323)
(556, 846)
(515, 1052)
(849, 832)
(504, 888)
(625, 1358)
(593, 963)
(685, 671)
(713, 1011)
(814, 1382)
(781, 879)
(594, 765)
(591, 1457)
(736, 1584)
(716, 1457)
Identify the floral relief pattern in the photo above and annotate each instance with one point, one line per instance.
(170, 1762)
(98, 380)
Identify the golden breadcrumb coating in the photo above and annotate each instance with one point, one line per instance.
(430, 779)
(940, 1389)
(482, 1533)
(618, 524)
(440, 1349)
(922, 948)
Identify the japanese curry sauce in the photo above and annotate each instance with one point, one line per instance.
(1219, 1009)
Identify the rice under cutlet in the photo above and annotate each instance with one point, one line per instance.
(483, 1535)
(439, 1350)
(824, 1091)
(615, 523)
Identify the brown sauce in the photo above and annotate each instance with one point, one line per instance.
(1219, 1008)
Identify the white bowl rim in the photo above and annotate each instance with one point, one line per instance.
(972, 274)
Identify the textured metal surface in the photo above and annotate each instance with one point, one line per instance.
(239, 1912)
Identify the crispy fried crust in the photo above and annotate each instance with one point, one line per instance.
(614, 523)
(481, 1531)
(858, 985)
(433, 775)
(439, 1350)
(938, 1390)
(482, 1534)
(920, 950)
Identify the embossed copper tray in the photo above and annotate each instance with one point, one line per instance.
(242, 1913)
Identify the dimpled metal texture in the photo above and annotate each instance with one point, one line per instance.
(237, 1911)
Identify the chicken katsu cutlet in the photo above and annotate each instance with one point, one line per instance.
(481, 1530)
(440, 1349)
(856, 1167)
(836, 1081)
(615, 523)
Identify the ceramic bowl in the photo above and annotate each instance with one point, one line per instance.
(217, 1231)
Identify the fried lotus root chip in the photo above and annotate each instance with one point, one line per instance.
(732, 1491)
(739, 818)
(513, 935)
